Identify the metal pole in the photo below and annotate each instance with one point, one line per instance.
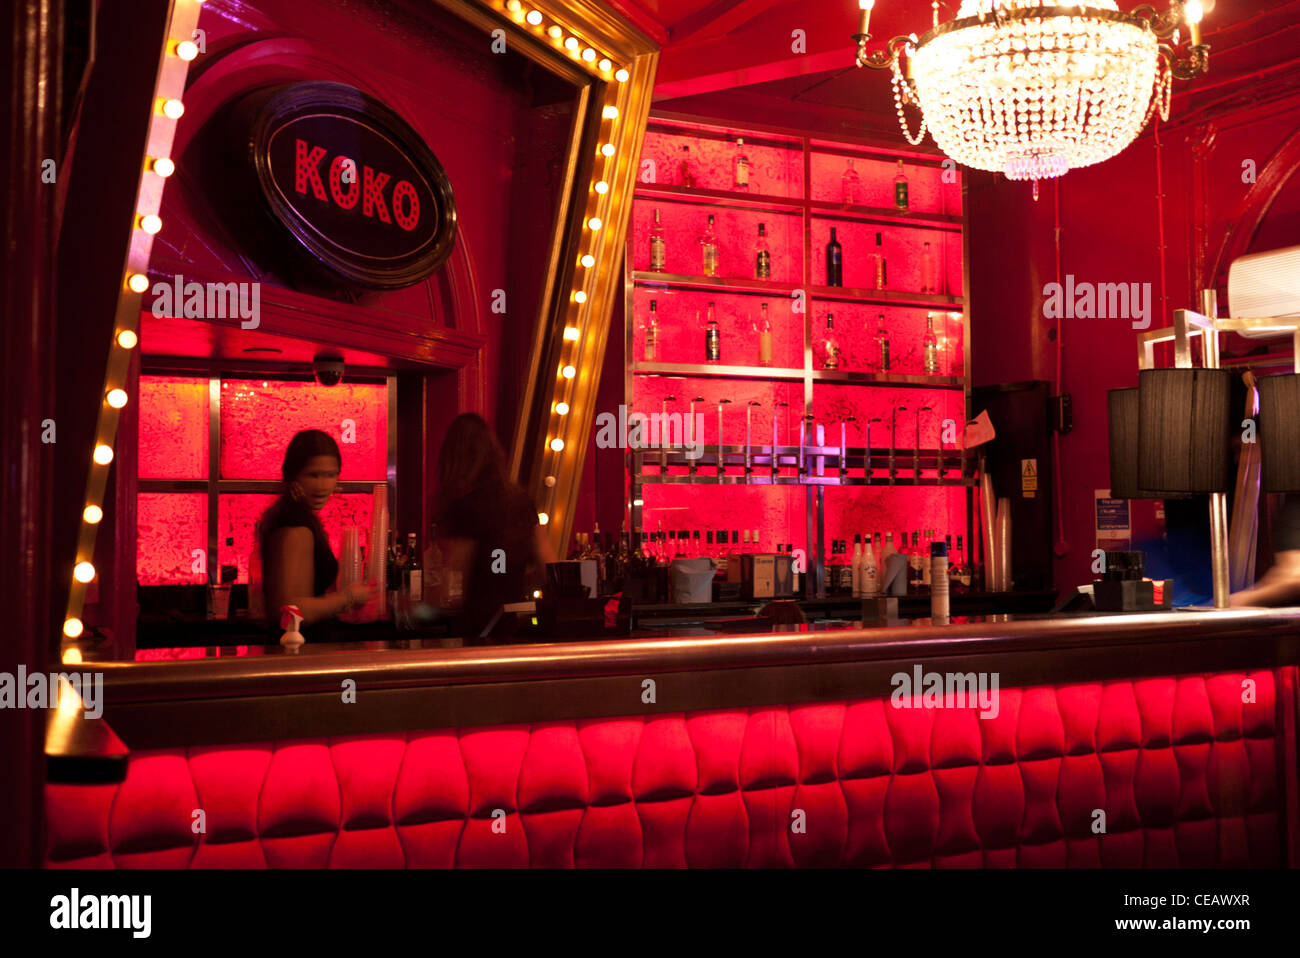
(1218, 500)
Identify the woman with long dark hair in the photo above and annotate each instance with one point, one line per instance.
(298, 566)
(486, 524)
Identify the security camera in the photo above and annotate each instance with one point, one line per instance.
(328, 370)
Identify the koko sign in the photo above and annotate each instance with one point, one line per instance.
(353, 184)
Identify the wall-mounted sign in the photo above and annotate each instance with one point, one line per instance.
(352, 183)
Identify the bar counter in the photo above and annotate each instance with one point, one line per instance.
(692, 750)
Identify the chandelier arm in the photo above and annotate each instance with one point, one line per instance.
(1195, 64)
(879, 59)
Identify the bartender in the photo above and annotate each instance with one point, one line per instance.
(298, 566)
(487, 526)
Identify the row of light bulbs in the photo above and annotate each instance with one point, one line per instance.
(115, 397)
(578, 50)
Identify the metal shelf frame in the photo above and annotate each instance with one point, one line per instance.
(814, 467)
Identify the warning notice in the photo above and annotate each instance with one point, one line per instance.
(1028, 478)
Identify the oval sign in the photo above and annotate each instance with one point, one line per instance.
(354, 184)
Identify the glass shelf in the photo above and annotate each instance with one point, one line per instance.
(716, 370)
(712, 284)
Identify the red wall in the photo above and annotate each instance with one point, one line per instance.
(1110, 222)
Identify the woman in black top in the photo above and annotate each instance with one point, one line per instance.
(298, 566)
(487, 524)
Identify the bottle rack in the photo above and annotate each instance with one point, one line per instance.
(798, 164)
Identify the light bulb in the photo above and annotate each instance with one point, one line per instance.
(72, 628)
(534, 17)
(514, 6)
(557, 444)
(150, 223)
(127, 339)
(571, 333)
(83, 572)
(92, 514)
(594, 223)
(579, 297)
(607, 149)
(138, 282)
(602, 187)
(117, 398)
(173, 109)
(555, 32)
(72, 656)
(621, 76)
(604, 64)
(610, 113)
(542, 518)
(163, 167)
(571, 43)
(562, 408)
(549, 482)
(1192, 11)
(588, 261)
(568, 372)
(589, 55)
(187, 50)
(638, 502)
(103, 455)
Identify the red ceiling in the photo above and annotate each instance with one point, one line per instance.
(717, 45)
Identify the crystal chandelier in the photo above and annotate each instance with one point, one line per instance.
(1032, 91)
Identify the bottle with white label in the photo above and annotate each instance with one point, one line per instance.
(765, 339)
(658, 248)
(857, 565)
(939, 578)
(652, 334)
(870, 571)
(740, 167)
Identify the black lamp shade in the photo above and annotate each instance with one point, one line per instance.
(1184, 422)
(1279, 433)
(1123, 405)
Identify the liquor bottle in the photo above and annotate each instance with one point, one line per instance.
(712, 338)
(393, 573)
(754, 540)
(856, 567)
(926, 541)
(695, 543)
(889, 545)
(709, 246)
(834, 262)
(882, 343)
(870, 570)
(900, 188)
(652, 334)
(723, 552)
(765, 339)
(686, 175)
(740, 167)
(915, 562)
(796, 577)
(831, 347)
(929, 270)
(964, 568)
(954, 573)
(879, 268)
(414, 570)
(658, 248)
(744, 542)
(708, 543)
(762, 255)
(931, 344)
(851, 186)
(939, 576)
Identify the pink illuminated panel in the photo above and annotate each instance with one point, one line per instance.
(776, 511)
(833, 404)
(736, 231)
(775, 168)
(237, 517)
(649, 393)
(855, 333)
(173, 427)
(681, 333)
(927, 191)
(171, 528)
(852, 510)
(902, 248)
(259, 417)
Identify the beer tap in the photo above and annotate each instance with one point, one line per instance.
(722, 468)
(775, 459)
(893, 440)
(844, 448)
(916, 448)
(748, 449)
(866, 458)
(695, 439)
(663, 428)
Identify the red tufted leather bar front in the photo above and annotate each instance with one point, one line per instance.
(1184, 772)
